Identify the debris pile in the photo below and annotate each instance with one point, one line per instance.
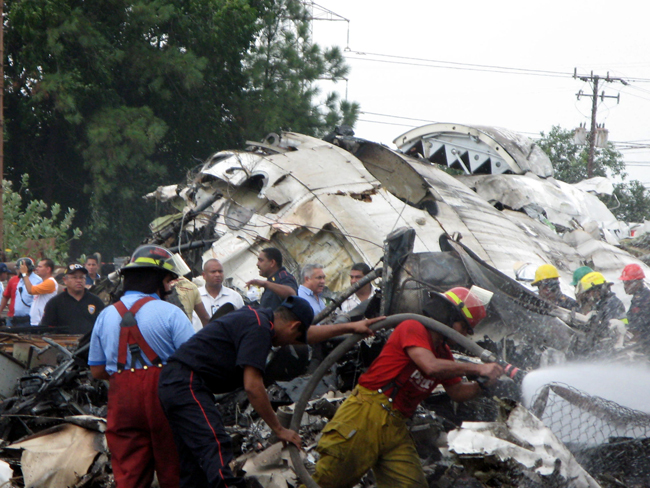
(52, 423)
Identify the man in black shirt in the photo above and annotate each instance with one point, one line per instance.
(74, 310)
(226, 354)
(279, 284)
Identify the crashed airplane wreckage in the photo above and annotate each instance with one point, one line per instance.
(335, 202)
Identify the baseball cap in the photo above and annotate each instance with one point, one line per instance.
(71, 268)
(303, 312)
(4, 268)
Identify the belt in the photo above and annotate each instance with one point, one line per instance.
(381, 399)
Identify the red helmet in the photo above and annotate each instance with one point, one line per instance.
(471, 303)
(632, 272)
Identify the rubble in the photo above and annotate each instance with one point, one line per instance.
(520, 449)
(336, 203)
(53, 418)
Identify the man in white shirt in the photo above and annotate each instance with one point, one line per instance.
(214, 295)
(43, 292)
(358, 271)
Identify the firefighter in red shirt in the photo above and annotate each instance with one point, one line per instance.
(369, 429)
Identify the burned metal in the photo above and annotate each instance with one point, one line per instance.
(48, 399)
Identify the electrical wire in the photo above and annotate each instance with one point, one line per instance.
(469, 66)
(461, 68)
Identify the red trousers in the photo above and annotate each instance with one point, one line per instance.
(138, 434)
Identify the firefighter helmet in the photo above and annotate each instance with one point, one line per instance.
(545, 272)
(579, 273)
(632, 272)
(471, 303)
(157, 257)
(591, 280)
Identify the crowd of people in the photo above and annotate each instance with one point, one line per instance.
(167, 347)
(33, 297)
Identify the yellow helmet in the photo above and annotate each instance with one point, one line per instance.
(590, 281)
(545, 272)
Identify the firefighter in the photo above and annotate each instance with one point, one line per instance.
(130, 343)
(638, 315)
(228, 353)
(547, 281)
(604, 307)
(369, 430)
(578, 274)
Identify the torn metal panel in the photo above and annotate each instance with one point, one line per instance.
(272, 467)
(488, 231)
(59, 456)
(10, 371)
(563, 204)
(476, 150)
(524, 440)
(598, 185)
(318, 202)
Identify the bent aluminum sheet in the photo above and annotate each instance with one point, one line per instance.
(524, 439)
(59, 456)
(318, 202)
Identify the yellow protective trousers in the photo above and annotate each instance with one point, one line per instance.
(367, 433)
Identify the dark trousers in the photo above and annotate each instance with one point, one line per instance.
(204, 447)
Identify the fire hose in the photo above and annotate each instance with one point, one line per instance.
(390, 322)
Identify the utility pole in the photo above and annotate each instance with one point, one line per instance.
(594, 79)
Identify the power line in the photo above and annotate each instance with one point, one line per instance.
(503, 71)
(473, 65)
(385, 123)
(397, 117)
(468, 66)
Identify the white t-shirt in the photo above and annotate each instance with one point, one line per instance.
(36, 312)
(226, 295)
(353, 300)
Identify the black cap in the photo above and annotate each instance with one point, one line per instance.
(75, 267)
(303, 311)
(4, 268)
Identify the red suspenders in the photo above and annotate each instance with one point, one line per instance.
(131, 337)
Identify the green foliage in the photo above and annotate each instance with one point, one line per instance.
(27, 220)
(106, 100)
(631, 200)
(282, 68)
(570, 160)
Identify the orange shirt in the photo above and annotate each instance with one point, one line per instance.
(47, 286)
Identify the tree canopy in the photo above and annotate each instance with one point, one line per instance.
(104, 101)
(631, 200)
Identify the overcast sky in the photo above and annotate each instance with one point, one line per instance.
(550, 38)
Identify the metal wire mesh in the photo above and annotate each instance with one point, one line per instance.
(612, 442)
(578, 419)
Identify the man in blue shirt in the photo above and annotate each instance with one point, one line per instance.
(131, 341)
(24, 300)
(313, 284)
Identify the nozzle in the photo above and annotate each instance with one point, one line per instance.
(512, 372)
